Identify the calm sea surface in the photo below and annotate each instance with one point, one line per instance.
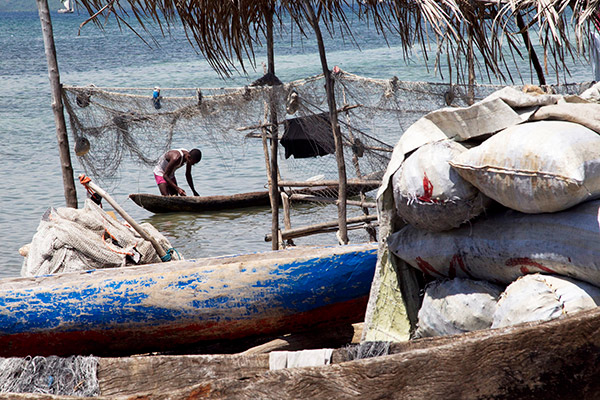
(32, 179)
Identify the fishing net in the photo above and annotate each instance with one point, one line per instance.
(141, 123)
(69, 240)
(367, 350)
(70, 376)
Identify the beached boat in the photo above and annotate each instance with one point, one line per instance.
(528, 361)
(556, 359)
(162, 204)
(168, 306)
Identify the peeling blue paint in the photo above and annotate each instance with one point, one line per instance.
(288, 288)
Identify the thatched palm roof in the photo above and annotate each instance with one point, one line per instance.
(227, 31)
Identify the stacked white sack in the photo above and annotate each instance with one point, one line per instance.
(508, 245)
(539, 297)
(456, 306)
(430, 195)
(536, 167)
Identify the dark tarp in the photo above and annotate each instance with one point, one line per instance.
(308, 136)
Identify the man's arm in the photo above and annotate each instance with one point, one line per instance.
(173, 161)
(188, 177)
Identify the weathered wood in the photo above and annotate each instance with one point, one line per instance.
(140, 230)
(175, 305)
(332, 337)
(533, 58)
(57, 105)
(556, 359)
(159, 374)
(374, 183)
(317, 228)
(285, 201)
(273, 188)
(308, 197)
(335, 128)
(161, 204)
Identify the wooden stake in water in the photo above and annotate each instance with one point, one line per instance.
(57, 105)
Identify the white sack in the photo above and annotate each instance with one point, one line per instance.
(456, 306)
(69, 239)
(536, 167)
(507, 245)
(539, 297)
(431, 195)
(459, 124)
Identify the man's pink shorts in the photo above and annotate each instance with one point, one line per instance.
(160, 179)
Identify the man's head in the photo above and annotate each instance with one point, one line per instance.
(195, 156)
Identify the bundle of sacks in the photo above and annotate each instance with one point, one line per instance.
(494, 194)
(69, 240)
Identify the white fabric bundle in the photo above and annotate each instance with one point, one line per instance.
(537, 297)
(429, 194)
(536, 167)
(508, 245)
(456, 306)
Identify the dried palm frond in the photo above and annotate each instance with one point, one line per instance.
(227, 32)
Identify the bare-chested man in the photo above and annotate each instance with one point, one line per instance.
(164, 172)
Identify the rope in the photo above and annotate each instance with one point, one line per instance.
(169, 255)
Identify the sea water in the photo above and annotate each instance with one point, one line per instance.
(31, 181)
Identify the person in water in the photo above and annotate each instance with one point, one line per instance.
(172, 160)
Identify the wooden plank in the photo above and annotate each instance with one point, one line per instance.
(308, 197)
(557, 359)
(156, 373)
(365, 182)
(318, 228)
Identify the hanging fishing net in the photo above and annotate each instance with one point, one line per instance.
(141, 124)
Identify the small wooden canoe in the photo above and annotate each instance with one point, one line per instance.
(167, 306)
(163, 204)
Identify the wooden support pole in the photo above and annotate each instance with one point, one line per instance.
(471, 66)
(273, 187)
(285, 201)
(532, 54)
(57, 105)
(339, 149)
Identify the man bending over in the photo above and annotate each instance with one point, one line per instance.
(172, 160)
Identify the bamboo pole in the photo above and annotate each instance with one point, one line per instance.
(339, 150)
(273, 187)
(57, 105)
